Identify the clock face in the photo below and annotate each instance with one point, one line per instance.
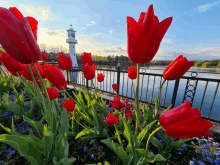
(73, 35)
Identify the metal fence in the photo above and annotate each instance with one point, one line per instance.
(172, 92)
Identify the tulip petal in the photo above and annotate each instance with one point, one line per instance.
(173, 70)
(175, 114)
(141, 19)
(33, 22)
(16, 12)
(133, 40)
(158, 34)
(168, 67)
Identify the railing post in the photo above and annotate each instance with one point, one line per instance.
(118, 77)
(52, 62)
(175, 90)
(87, 84)
(67, 77)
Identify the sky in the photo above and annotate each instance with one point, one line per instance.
(100, 25)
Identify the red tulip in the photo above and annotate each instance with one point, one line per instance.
(144, 37)
(87, 58)
(117, 104)
(18, 35)
(177, 68)
(115, 87)
(127, 105)
(132, 72)
(54, 75)
(10, 63)
(43, 69)
(69, 105)
(185, 122)
(64, 85)
(100, 77)
(13, 73)
(52, 92)
(128, 113)
(111, 119)
(65, 61)
(25, 71)
(89, 73)
(44, 57)
(0, 58)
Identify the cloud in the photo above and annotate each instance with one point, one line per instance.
(39, 12)
(89, 24)
(113, 34)
(196, 54)
(119, 50)
(207, 6)
(60, 32)
(168, 41)
(118, 21)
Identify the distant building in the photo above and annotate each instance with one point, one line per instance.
(72, 42)
(72, 50)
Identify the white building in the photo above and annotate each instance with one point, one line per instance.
(72, 50)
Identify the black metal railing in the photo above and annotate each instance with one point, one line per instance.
(173, 92)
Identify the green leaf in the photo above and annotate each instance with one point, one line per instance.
(156, 143)
(24, 147)
(36, 125)
(102, 107)
(107, 163)
(154, 158)
(47, 138)
(150, 113)
(179, 142)
(86, 94)
(84, 116)
(37, 143)
(15, 108)
(9, 130)
(129, 136)
(120, 152)
(86, 132)
(64, 161)
(143, 133)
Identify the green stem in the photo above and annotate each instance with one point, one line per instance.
(26, 86)
(151, 135)
(137, 111)
(34, 80)
(159, 95)
(44, 86)
(79, 122)
(50, 122)
(119, 138)
(58, 106)
(133, 87)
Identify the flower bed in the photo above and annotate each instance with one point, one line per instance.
(58, 127)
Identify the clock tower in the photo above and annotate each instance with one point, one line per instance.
(72, 51)
(72, 42)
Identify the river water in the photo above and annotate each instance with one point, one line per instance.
(147, 88)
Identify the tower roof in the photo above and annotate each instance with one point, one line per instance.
(71, 29)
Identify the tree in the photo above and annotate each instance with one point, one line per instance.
(43, 47)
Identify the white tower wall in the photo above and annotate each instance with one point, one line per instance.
(72, 51)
